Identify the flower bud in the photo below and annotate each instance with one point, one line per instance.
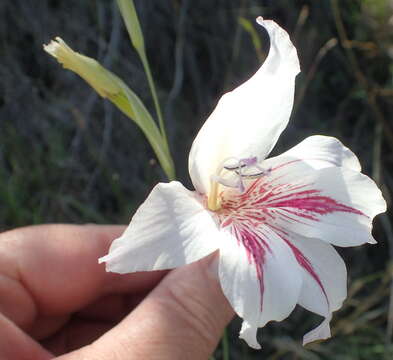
(103, 81)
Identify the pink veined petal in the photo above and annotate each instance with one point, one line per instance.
(170, 229)
(259, 275)
(325, 275)
(324, 280)
(320, 151)
(333, 204)
(248, 120)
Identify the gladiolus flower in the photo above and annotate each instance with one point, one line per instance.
(273, 221)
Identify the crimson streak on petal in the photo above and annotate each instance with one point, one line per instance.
(263, 203)
(255, 245)
(305, 263)
(264, 200)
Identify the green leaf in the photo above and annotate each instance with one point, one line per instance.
(130, 17)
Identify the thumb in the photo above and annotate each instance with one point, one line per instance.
(182, 318)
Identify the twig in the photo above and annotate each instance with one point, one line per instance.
(179, 66)
(330, 44)
(301, 20)
(236, 41)
(112, 52)
(360, 77)
(387, 226)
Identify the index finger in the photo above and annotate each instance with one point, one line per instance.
(53, 269)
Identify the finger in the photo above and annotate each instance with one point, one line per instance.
(53, 270)
(182, 318)
(111, 307)
(15, 344)
(108, 308)
(74, 335)
(61, 335)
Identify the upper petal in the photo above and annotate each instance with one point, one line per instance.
(333, 204)
(248, 120)
(171, 228)
(320, 151)
(260, 277)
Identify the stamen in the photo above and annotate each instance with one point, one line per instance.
(241, 168)
(255, 175)
(249, 161)
(235, 167)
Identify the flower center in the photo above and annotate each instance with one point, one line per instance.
(232, 173)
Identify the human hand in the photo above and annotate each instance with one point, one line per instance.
(55, 300)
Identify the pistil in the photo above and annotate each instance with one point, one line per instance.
(213, 201)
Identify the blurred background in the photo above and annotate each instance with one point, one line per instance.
(66, 155)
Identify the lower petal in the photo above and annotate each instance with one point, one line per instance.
(324, 275)
(324, 281)
(170, 229)
(321, 332)
(260, 277)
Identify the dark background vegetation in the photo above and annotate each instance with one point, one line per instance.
(68, 156)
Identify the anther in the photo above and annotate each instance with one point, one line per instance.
(247, 168)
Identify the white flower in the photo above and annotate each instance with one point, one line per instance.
(272, 220)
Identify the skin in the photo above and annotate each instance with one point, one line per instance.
(56, 301)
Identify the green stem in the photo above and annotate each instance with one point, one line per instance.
(153, 91)
(133, 107)
(225, 345)
(130, 17)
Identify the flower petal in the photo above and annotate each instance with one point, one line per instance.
(170, 229)
(324, 275)
(333, 204)
(321, 332)
(324, 281)
(260, 277)
(248, 120)
(320, 151)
